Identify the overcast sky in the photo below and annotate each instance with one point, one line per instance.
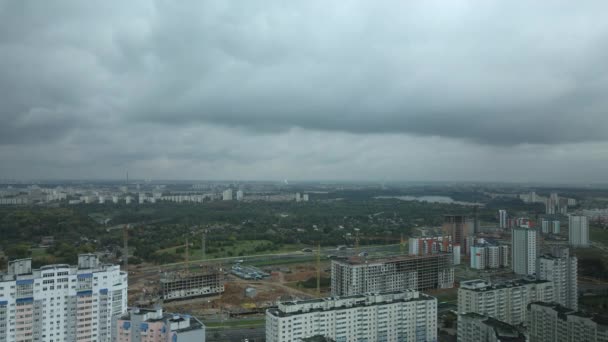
(387, 90)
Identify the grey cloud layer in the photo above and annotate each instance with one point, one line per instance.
(115, 80)
(495, 72)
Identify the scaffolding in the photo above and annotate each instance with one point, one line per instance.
(176, 285)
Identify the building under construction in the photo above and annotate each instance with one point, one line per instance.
(175, 286)
(417, 272)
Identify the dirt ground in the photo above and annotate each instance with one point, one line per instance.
(143, 289)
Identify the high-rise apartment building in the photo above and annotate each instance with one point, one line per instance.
(405, 315)
(356, 276)
(578, 231)
(502, 218)
(484, 256)
(61, 302)
(239, 195)
(550, 226)
(474, 327)
(459, 227)
(152, 325)
(560, 268)
(550, 322)
(506, 301)
(430, 245)
(523, 250)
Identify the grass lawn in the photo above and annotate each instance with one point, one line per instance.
(239, 248)
(244, 323)
(598, 235)
(38, 252)
(286, 261)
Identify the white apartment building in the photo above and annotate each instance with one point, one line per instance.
(506, 301)
(392, 316)
(502, 218)
(550, 322)
(227, 195)
(61, 302)
(550, 226)
(489, 256)
(578, 231)
(560, 268)
(240, 195)
(523, 247)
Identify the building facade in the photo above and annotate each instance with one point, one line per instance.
(506, 301)
(578, 231)
(396, 316)
(489, 256)
(152, 325)
(550, 322)
(434, 245)
(523, 253)
(61, 302)
(474, 327)
(356, 276)
(459, 227)
(560, 268)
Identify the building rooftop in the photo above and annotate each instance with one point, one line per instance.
(484, 285)
(290, 308)
(364, 261)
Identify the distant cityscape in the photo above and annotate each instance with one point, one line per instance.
(506, 274)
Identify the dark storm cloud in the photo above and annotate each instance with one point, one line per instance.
(174, 82)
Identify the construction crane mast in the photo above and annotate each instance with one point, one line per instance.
(318, 268)
(125, 250)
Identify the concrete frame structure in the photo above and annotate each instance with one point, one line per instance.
(356, 276)
(175, 286)
(459, 227)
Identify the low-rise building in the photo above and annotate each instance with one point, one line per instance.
(474, 327)
(152, 325)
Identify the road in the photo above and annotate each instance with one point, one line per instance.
(374, 251)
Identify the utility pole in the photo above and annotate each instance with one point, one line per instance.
(203, 242)
(187, 257)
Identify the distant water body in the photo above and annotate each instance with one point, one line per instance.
(430, 199)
